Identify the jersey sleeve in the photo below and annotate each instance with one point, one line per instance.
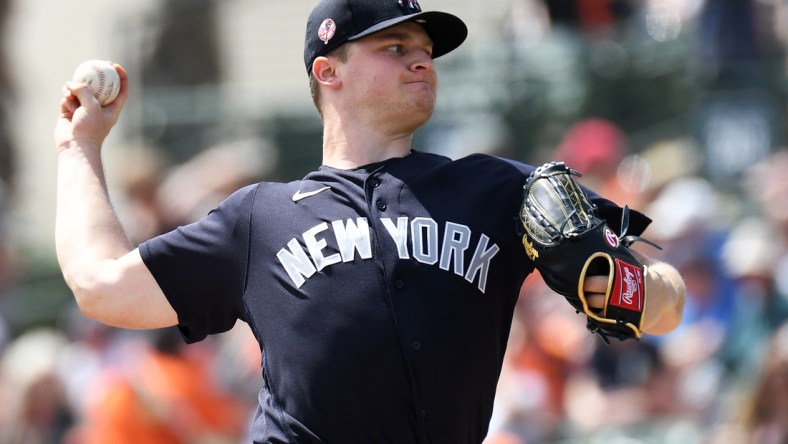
(201, 267)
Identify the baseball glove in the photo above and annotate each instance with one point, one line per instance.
(568, 241)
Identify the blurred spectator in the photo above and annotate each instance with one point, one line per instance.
(688, 212)
(766, 415)
(766, 185)
(613, 390)
(169, 396)
(548, 341)
(595, 148)
(590, 15)
(759, 415)
(34, 405)
(239, 347)
(644, 175)
(190, 190)
(154, 199)
(139, 172)
(738, 40)
(758, 309)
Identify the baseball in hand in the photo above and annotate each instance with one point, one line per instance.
(101, 77)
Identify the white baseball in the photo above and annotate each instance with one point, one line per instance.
(101, 77)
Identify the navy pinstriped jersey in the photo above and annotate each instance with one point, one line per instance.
(382, 297)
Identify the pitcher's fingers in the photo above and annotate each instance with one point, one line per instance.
(69, 102)
(83, 93)
(596, 300)
(595, 284)
(123, 93)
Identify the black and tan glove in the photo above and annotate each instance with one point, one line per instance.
(567, 241)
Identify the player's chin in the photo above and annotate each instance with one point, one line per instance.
(419, 116)
(423, 104)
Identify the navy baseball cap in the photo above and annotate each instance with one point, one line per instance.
(334, 22)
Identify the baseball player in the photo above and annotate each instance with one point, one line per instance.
(380, 287)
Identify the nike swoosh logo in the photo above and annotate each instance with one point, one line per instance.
(303, 195)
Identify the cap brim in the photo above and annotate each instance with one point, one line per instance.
(446, 31)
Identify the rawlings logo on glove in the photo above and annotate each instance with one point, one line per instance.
(568, 241)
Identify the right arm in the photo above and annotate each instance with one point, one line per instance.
(109, 280)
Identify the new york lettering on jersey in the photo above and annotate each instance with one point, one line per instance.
(452, 252)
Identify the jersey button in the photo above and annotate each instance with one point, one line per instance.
(415, 345)
(381, 205)
(399, 283)
(374, 183)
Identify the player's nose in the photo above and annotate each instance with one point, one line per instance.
(422, 61)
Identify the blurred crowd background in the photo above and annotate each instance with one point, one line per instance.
(674, 107)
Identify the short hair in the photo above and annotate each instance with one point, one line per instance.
(340, 53)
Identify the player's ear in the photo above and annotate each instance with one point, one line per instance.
(325, 73)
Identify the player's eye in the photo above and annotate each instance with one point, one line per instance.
(396, 48)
